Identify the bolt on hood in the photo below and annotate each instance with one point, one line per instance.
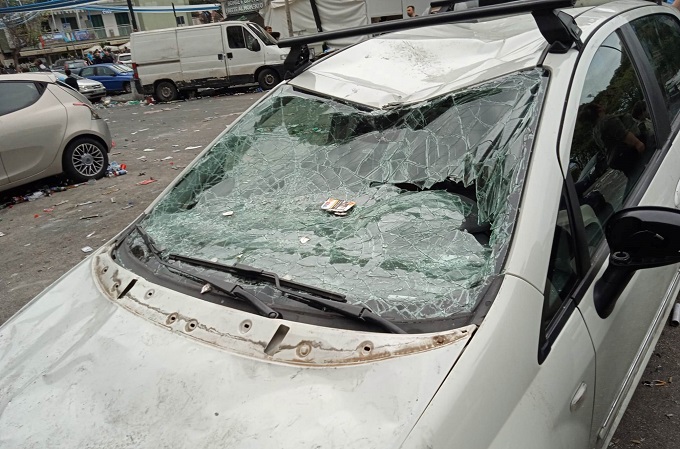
(83, 367)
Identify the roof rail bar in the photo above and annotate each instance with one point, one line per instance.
(445, 3)
(559, 29)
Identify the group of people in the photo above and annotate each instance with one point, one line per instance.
(99, 57)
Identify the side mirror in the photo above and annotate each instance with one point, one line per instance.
(254, 46)
(638, 238)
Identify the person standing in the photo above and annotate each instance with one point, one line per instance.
(70, 80)
(107, 58)
(411, 11)
(97, 59)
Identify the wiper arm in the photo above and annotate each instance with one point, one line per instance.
(240, 269)
(318, 302)
(226, 287)
(349, 310)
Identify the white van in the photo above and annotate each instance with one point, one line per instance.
(214, 55)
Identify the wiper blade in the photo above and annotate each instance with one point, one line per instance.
(318, 302)
(240, 269)
(217, 284)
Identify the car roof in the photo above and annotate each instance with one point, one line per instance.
(423, 63)
(44, 77)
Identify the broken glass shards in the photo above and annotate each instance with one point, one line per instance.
(429, 185)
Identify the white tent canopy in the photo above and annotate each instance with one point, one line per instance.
(93, 49)
(334, 14)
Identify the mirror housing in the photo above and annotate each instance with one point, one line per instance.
(638, 238)
(254, 46)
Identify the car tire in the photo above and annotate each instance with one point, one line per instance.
(166, 91)
(127, 87)
(268, 78)
(85, 158)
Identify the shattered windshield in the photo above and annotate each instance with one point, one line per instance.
(407, 211)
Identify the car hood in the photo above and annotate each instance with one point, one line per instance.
(96, 362)
(84, 82)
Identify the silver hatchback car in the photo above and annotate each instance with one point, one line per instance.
(48, 129)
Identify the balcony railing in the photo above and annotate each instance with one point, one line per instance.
(83, 36)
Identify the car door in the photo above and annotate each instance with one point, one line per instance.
(108, 77)
(89, 73)
(620, 154)
(32, 126)
(201, 53)
(244, 54)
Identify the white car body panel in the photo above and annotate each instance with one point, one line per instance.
(514, 386)
(619, 347)
(503, 46)
(75, 351)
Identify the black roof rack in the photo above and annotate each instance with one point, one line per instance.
(558, 28)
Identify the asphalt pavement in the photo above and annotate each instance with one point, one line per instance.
(45, 237)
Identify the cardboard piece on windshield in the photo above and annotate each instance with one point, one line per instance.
(338, 207)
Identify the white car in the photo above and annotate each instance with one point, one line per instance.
(460, 235)
(125, 59)
(91, 89)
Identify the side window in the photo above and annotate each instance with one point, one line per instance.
(659, 35)
(613, 138)
(87, 72)
(562, 272)
(250, 41)
(104, 71)
(16, 96)
(235, 37)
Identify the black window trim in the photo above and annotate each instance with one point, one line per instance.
(653, 94)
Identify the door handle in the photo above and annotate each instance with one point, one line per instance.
(677, 195)
(578, 397)
(230, 55)
(220, 56)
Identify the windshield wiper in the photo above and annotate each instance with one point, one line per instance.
(317, 301)
(243, 270)
(229, 288)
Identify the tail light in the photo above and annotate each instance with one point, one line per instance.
(135, 75)
(93, 113)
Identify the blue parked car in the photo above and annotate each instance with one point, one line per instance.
(115, 77)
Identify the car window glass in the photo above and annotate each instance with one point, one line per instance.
(16, 96)
(562, 274)
(659, 35)
(250, 41)
(104, 71)
(87, 72)
(613, 137)
(235, 37)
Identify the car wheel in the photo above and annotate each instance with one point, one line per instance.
(85, 158)
(166, 91)
(127, 87)
(268, 78)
